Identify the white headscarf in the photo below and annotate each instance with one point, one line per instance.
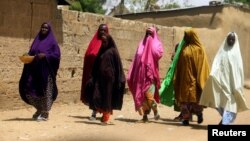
(232, 66)
(224, 88)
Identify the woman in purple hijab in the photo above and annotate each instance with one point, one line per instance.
(37, 86)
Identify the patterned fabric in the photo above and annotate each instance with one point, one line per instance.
(227, 117)
(187, 109)
(149, 101)
(43, 104)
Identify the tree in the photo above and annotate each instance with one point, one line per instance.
(171, 6)
(92, 6)
(245, 1)
(75, 6)
(239, 1)
(228, 1)
(121, 7)
(150, 5)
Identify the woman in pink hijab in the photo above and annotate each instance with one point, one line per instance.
(143, 76)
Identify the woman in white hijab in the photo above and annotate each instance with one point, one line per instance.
(224, 87)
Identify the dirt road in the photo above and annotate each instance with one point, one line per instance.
(69, 122)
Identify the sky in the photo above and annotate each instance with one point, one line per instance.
(188, 2)
(111, 3)
(200, 2)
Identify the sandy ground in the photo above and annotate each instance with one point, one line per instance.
(69, 122)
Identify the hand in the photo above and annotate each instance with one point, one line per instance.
(41, 55)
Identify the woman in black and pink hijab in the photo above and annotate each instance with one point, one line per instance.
(105, 88)
(89, 58)
(37, 86)
(143, 76)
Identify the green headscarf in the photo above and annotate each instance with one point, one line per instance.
(167, 87)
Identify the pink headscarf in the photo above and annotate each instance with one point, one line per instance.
(144, 70)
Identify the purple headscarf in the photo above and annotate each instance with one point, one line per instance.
(35, 75)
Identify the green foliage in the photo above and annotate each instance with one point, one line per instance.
(92, 6)
(244, 1)
(171, 6)
(228, 1)
(240, 1)
(75, 6)
(149, 4)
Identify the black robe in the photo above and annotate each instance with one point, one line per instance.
(105, 89)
